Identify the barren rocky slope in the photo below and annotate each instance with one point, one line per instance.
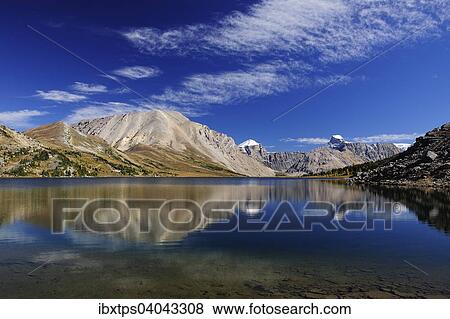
(426, 163)
(171, 131)
(58, 150)
(337, 154)
(373, 152)
(324, 159)
(163, 143)
(93, 155)
(278, 161)
(97, 158)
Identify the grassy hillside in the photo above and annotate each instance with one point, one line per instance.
(58, 150)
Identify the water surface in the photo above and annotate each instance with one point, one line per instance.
(411, 260)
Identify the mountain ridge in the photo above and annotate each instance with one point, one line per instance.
(337, 154)
(58, 150)
(173, 131)
(165, 143)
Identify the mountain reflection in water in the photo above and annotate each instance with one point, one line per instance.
(199, 263)
(32, 202)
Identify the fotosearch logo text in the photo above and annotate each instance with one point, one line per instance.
(180, 215)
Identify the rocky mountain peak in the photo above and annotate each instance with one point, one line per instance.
(337, 142)
(172, 131)
(249, 143)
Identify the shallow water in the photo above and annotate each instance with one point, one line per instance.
(410, 260)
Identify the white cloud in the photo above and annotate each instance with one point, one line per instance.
(307, 140)
(60, 96)
(330, 30)
(19, 119)
(314, 33)
(382, 138)
(228, 87)
(155, 41)
(137, 72)
(89, 88)
(386, 138)
(121, 90)
(250, 82)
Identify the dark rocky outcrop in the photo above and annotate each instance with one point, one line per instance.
(426, 163)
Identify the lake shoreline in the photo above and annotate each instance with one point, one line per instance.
(349, 180)
(405, 184)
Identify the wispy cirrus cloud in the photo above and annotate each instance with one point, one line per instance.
(89, 87)
(121, 90)
(59, 96)
(318, 33)
(387, 138)
(231, 86)
(137, 72)
(249, 82)
(382, 138)
(331, 30)
(19, 119)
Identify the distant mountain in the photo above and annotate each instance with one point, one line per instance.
(247, 143)
(403, 146)
(278, 161)
(363, 151)
(337, 154)
(337, 142)
(426, 162)
(172, 132)
(164, 143)
(253, 149)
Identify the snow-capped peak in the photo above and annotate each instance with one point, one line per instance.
(402, 146)
(337, 137)
(248, 143)
(337, 141)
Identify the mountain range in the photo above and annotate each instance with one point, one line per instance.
(163, 143)
(338, 153)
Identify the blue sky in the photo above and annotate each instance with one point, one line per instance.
(232, 65)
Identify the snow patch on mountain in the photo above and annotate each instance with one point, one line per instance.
(403, 146)
(337, 142)
(249, 143)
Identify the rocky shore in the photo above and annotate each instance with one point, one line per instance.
(425, 164)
